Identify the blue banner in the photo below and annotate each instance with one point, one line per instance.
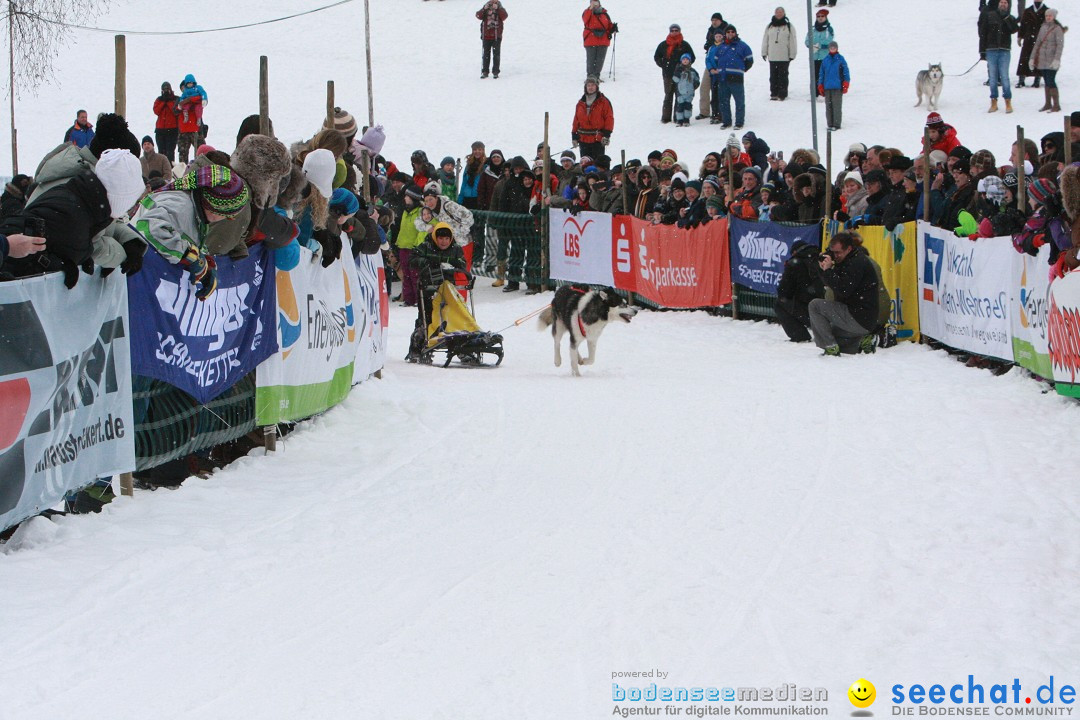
(203, 347)
(759, 251)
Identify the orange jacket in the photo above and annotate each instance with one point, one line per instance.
(595, 123)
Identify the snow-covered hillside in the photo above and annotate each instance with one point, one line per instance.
(708, 500)
(428, 91)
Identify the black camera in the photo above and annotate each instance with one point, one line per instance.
(826, 254)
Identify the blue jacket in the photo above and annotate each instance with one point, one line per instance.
(80, 137)
(821, 38)
(470, 186)
(731, 59)
(834, 72)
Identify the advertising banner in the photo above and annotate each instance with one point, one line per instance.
(897, 257)
(205, 346)
(759, 251)
(964, 297)
(1063, 333)
(65, 389)
(671, 266)
(318, 336)
(581, 247)
(373, 316)
(1030, 311)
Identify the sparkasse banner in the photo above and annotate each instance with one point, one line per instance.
(65, 389)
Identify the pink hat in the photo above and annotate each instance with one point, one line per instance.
(203, 149)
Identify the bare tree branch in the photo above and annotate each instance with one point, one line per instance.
(40, 29)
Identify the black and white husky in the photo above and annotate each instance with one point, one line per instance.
(583, 313)
(930, 83)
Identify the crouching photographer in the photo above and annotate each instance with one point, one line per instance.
(845, 323)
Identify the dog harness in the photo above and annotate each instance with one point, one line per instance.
(580, 324)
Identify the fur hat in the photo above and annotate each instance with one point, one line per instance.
(121, 174)
(264, 162)
(938, 157)
(319, 168)
(344, 123)
(113, 134)
(857, 148)
(899, 162)
(432, 188)
(854, 176)
(803, 181)
(1070, 190)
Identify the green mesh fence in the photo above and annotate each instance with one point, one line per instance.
(170, 424)
(510, 238)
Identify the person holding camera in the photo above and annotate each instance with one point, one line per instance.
(845, 324)
(18, 245)
(491, 17)
(597, 36)
(800, 285)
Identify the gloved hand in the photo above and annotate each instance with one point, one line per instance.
(820, 89)
(133, 263)
(574, 209)
(71, 273)
(1058, 269)
(606, 141)
(614, 28)
(202, 271)
(575, 141)
(967, 226)
(846, 86)
(982, 56)
(330, 243)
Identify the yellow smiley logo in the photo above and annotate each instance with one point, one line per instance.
(862, 693)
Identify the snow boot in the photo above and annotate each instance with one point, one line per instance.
(868, 344)
(511, 286)
(1046, 105)
(1035, 83)
(832, 351)
(500, 275)
(1056, 98)
(1008, 105)
(993, 105)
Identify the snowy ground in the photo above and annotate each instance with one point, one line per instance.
(708, 499)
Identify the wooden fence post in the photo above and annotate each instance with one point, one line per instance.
(264, 96)
(270, 438)
(928, 174)
(330, 104)
(120, 85)
(1021, 184)
(127, 485)
(1068, 139)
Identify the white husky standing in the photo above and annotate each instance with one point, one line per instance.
(930, 82)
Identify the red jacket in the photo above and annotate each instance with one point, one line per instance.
(593, 124)
(947, 143)
(491, 30)
(595, 23)
(166, 113)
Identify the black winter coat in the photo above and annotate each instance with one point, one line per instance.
(515, 197)
(711, 32)
(12, 201)
(996, 30)
(801, 281)
(961, 200)
(875, 206)
(73, 214)
(668, 64)
(427, 258)
(899, 207)
(854, 283)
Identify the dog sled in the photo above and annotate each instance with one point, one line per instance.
(453, 333)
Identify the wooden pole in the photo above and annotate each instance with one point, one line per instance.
(270, 438)
(120, 104)
(367, 50)
(127, 485)
(330, 104)
(928, 175)
(11, 88)
(1021, 184)
(730, 177)
(264, 96)
(734, 303)
(545, 208)
(828, 177)
(625, 191)
(1068, 138)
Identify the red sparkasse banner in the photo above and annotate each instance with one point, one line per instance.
(671, 266)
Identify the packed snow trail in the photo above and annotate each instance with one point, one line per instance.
(708, 499)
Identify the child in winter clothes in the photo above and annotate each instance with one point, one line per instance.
(192, 98)
(687, 81)
(832, 81)
(409, 237)
(432, 259)
(448, 179)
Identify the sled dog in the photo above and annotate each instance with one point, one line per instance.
(583, 313)
(930, 83)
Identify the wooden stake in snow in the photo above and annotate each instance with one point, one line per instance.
(1021, 180)
(928, 175)
(264, 96)
(330, 104)
(120, 101)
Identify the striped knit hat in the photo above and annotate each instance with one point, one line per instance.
(223, 192)
(1042, 189)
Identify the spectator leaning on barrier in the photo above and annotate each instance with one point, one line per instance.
(18, 246)
(845, 324)
(73, 213)
(175, 220)
(799, 284)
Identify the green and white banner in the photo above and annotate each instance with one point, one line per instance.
(1030, 298)
(318, 338)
